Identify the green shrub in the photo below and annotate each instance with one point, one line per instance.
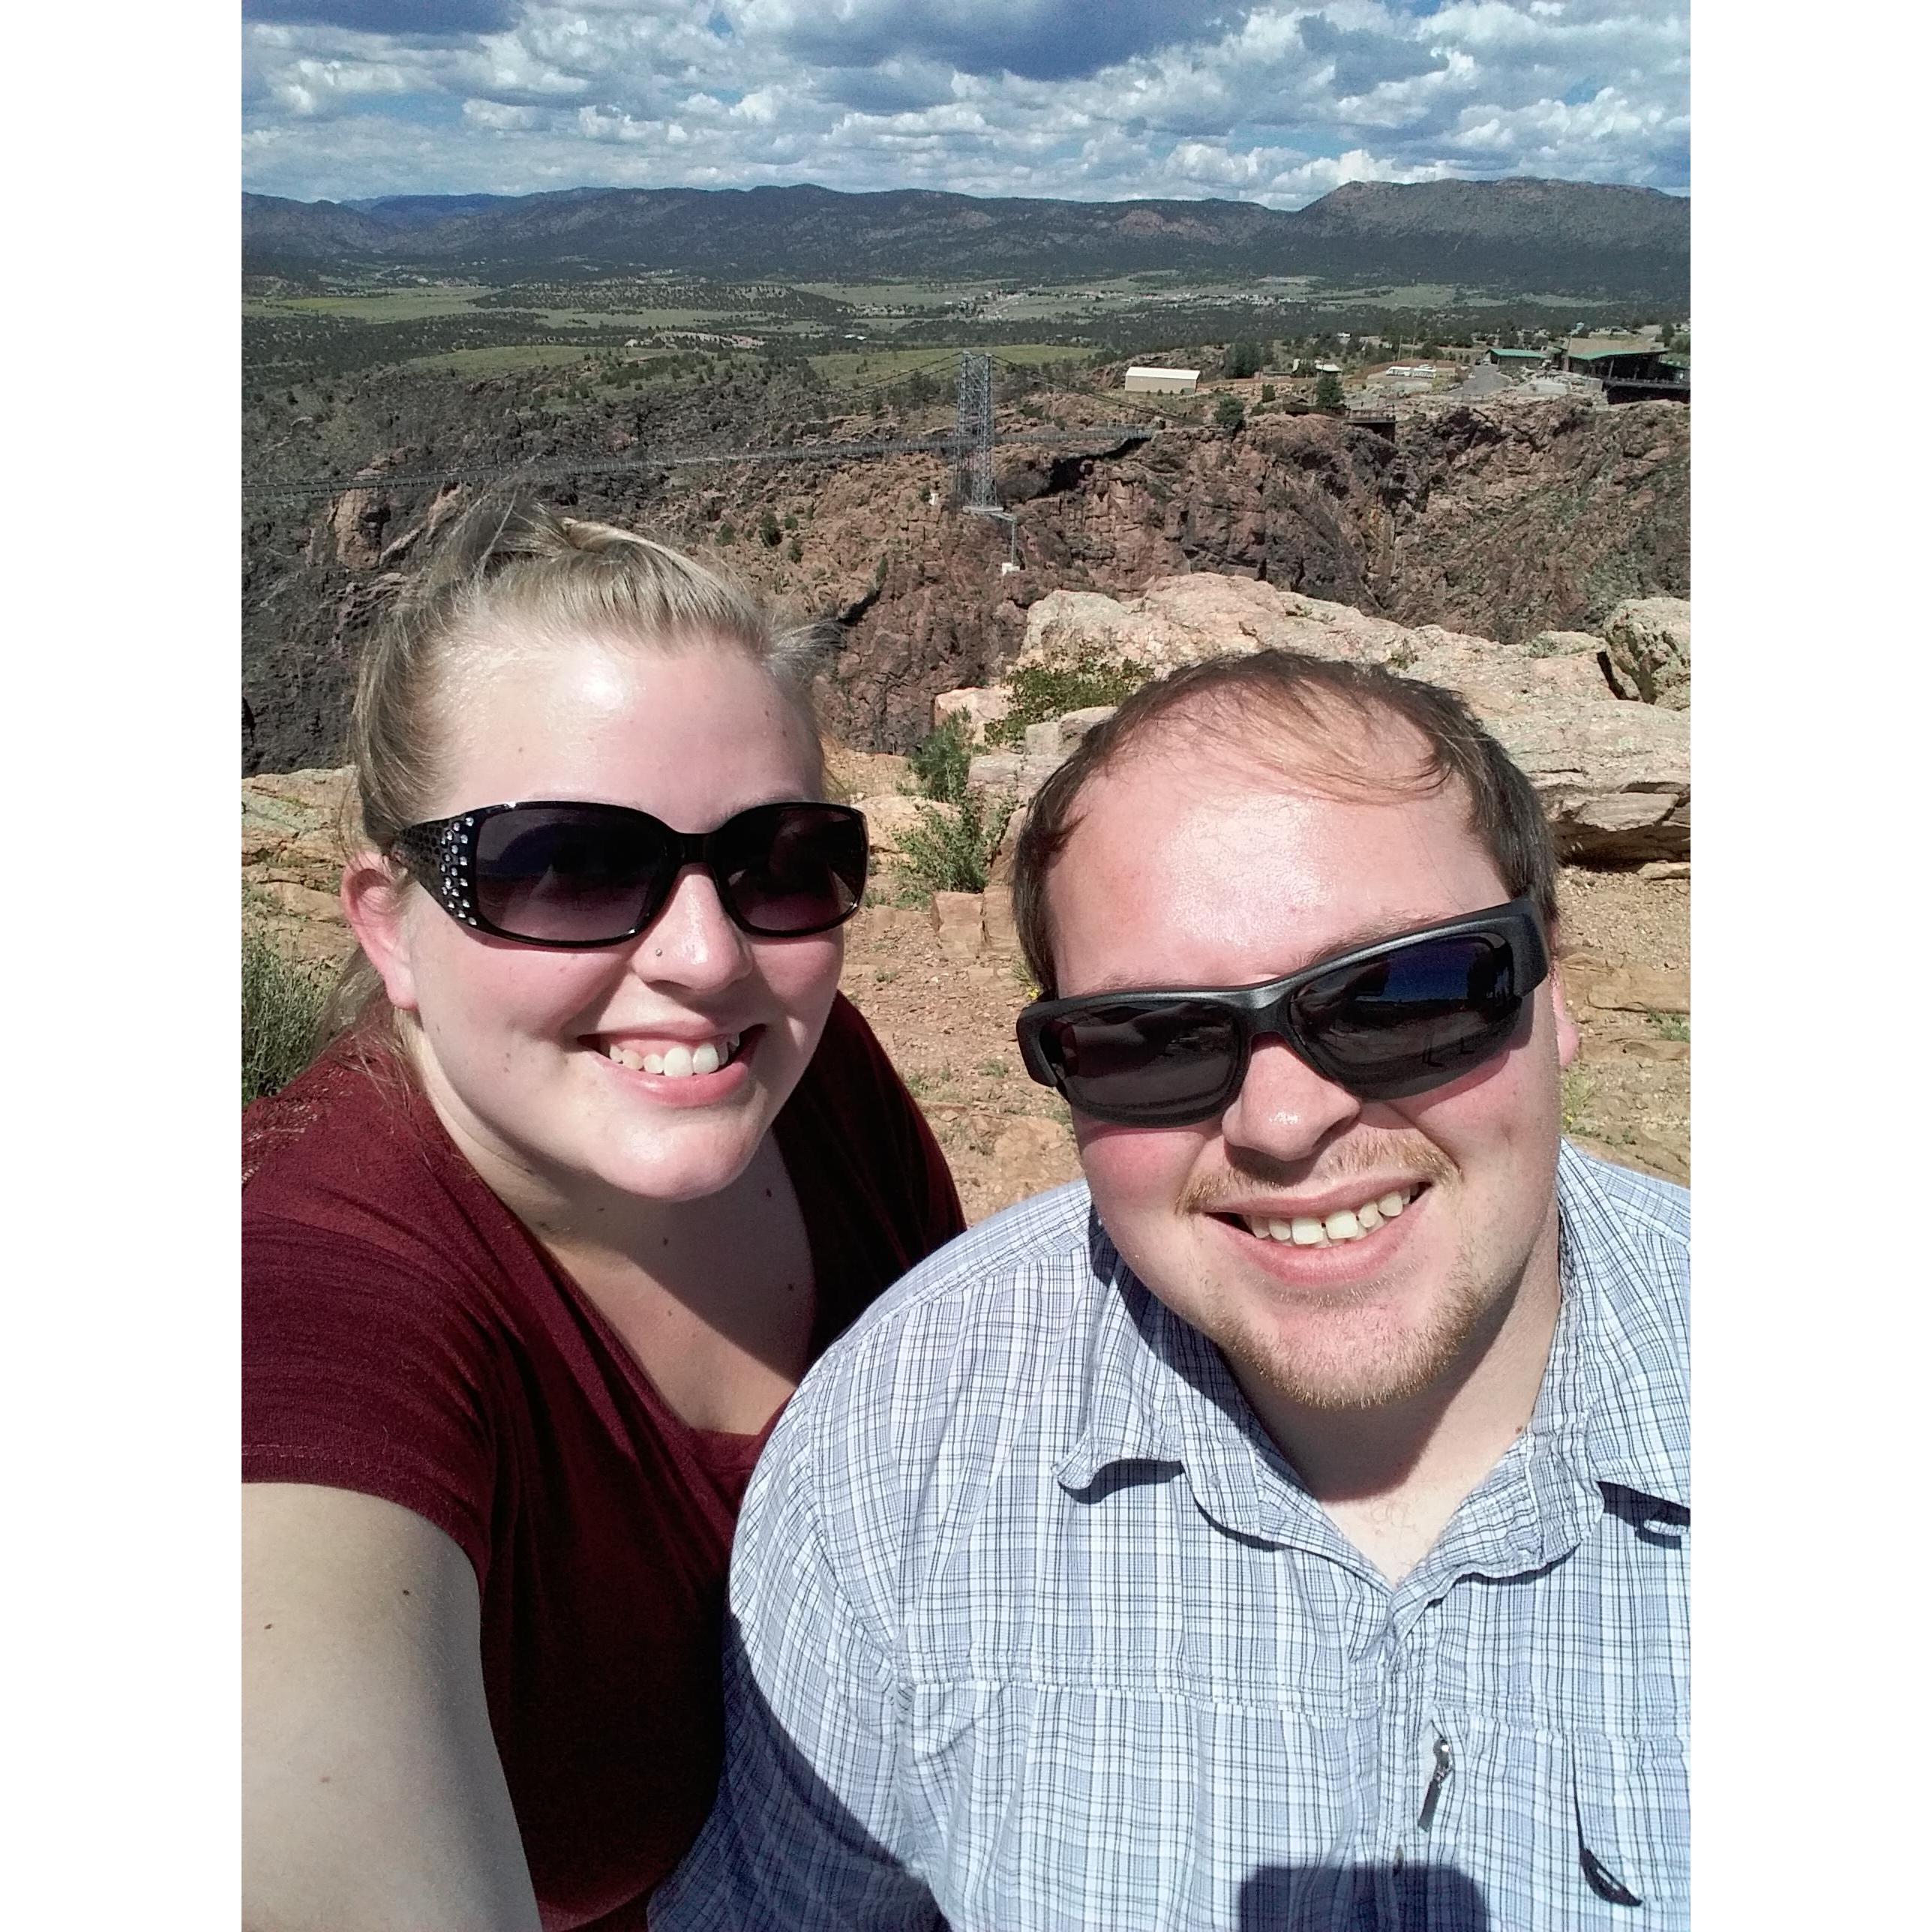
(940, 760)
(1328, 391)
(1044, 691)
(768, 530)
(1229, 413)
(281, 1002)
(953, 852)
(795, 550)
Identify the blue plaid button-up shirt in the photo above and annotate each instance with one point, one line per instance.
(1032, 1626)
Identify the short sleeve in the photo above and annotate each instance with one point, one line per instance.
(360, 1372)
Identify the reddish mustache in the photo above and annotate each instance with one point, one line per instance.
(1366, 1157)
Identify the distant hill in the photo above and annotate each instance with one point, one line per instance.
(1510, 237)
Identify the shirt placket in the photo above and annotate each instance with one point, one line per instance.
(1418, 1756)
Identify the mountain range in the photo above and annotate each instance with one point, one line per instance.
(1514, 237)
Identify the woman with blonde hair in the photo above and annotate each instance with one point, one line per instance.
(537, 1248)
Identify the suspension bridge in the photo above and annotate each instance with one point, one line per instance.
(970, 445)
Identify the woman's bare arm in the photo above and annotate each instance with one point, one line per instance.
(372, 1792)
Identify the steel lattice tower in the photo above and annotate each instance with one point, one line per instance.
(974, 473)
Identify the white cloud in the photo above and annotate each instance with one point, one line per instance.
(500, 119)
(1279, 105)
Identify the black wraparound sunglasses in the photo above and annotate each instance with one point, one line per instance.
(1386, 1020)
(551, 872)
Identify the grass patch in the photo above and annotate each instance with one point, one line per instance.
(388, 305)
(1044, 691)
(953, 851)
(841, 368)
(281, 1002)
(502, 358)
(1672, 1026)
(941, 760)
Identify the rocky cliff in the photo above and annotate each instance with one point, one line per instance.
(1612, 770)
(1498, 520)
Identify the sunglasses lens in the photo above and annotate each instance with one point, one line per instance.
(1153, 1064)
(1415, 1018)
(576, 873)
(792, 868)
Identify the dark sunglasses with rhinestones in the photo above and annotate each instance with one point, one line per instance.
(1384, 1021)
(553, 872)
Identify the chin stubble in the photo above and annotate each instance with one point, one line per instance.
(1348, 1370)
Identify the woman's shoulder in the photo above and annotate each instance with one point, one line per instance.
(349, 1093)
(351, 1144)
(386, 1296)
(350, 1182)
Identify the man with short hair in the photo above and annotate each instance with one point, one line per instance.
(1287, 1525)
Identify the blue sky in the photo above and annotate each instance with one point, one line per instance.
(1092, 100)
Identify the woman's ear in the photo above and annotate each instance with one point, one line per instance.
(375, 902)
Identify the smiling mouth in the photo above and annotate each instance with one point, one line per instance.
(1345, 1224)
(678, 1061)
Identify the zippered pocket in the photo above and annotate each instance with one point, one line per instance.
(1630, 1805)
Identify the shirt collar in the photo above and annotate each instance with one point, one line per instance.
(1615, 1399)
(1158, 1392)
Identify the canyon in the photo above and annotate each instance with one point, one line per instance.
(1501, 520)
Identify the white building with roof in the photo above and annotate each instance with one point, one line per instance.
(1163, 382)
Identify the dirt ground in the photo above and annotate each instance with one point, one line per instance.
(948, 1025)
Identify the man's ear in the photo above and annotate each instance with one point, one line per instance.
(1569, 1042)
(374, 901)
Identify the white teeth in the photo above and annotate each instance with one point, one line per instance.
(1305, 1231)
(678, 1063)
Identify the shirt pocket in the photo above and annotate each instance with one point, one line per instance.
(1630, 1811)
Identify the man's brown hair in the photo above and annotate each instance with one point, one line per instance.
(1241, 702)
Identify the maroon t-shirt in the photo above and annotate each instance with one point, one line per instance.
(405, 1337)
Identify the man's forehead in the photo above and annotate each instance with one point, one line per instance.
(1342, 757)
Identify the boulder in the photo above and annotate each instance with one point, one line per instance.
(1647, 650)
(979, 707)
(1615, 778)
(1076, 724)
(1017, 775)
(999, 871)
(294, 829)
(997, 912)
(957, 921)
(1641, 989)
